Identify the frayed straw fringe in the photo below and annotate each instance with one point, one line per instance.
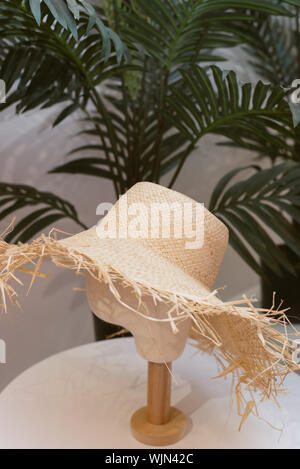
(242, 338)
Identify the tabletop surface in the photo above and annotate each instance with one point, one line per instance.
(84, 398)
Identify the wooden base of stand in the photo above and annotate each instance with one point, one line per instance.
(158, 424)
(158, 435)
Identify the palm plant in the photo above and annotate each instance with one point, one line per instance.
(275, 55)
(144, 76)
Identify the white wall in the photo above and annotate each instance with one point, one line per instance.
(54, 316)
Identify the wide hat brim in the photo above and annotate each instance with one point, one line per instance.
(137, 264)
(242, 337)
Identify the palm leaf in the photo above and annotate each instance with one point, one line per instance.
(68, 12)
(272, 49)
(257, 209)
(45, 209)
(98, 167)
(255, 117)
(176, 33)
(44, 64)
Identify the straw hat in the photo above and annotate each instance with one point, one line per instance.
(137, 238)
(161, 243)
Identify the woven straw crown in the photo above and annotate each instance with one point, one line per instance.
(165, 263)
(200, 263)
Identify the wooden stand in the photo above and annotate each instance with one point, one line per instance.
(158, 424)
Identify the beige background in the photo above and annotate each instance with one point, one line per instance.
(55, 317)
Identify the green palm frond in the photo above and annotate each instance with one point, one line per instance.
(274, 140)
(68, 12)
(60, 11)
(295, 3)
(127, 132)
(214, 101)
(47, 64)
(257, 209)
(254, 117)
(146, 136)
(272, 44)
(272, 49)
(97, 167)
(180, 32)
(45, 209)
(138, 141)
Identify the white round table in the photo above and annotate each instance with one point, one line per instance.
(84, 398)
